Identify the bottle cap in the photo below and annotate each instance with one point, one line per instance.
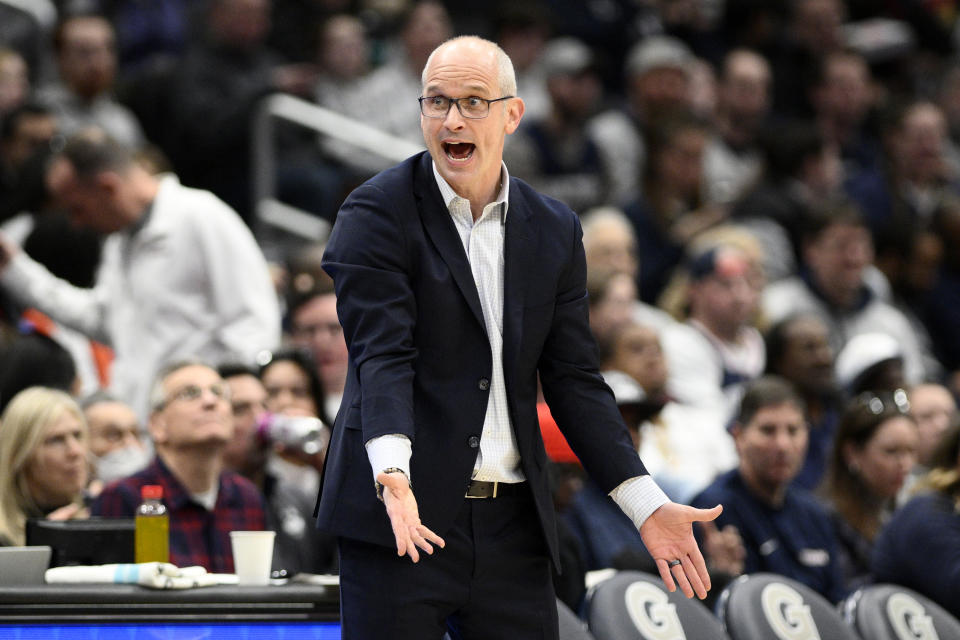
(151, 492)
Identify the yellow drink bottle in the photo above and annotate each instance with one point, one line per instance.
(152, 529)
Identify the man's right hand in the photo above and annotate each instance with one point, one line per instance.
(404, 516)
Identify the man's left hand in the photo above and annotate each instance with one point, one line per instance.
(668, 536)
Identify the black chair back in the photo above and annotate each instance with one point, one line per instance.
(634, 605)
(767, 606)
(892, 612)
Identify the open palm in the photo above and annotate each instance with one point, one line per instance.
(668, 536)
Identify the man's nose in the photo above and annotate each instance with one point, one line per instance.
(453, 120)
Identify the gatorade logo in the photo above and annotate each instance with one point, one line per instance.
(788, 617)
(651, 612)
(909, 619)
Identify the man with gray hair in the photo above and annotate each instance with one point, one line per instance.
(457, 287)
(191, 423)
(180, 272)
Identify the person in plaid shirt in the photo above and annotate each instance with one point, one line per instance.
(191, 423)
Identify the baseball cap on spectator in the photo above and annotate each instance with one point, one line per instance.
(862, 354)
(721, 261)
(566, 56)
(658, 52)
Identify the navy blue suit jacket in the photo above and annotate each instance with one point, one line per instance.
(420, 360)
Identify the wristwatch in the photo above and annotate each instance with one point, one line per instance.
(379, 485)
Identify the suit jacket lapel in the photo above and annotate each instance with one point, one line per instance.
(520, 249)
(442, 232)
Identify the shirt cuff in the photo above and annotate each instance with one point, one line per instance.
(391, 450)
(639, 497)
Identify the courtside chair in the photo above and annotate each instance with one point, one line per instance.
(633, 605)
(767, 606)
(892, 612)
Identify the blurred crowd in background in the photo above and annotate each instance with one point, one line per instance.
(770, 198)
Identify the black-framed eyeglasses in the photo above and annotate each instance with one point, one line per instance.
(471, 107)
(877, 403)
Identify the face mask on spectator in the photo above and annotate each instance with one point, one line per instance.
(121, 463)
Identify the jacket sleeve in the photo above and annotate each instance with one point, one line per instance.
(368, 260)
(579, 400)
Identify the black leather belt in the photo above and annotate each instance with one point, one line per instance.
(485, 489)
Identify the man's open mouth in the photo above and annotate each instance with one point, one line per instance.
(458, 150)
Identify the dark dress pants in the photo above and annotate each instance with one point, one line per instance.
(491, 581)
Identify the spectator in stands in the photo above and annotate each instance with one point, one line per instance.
(292, 384)
(32, 360)
(842, 95)
(684, 447)
(294, 389)
(25, 135)
(219, 85)
(43, 455)
(838, 252)
(314, 326)
(657, 86)
(798, 350)
(732, 161)
(87, 61)
(717, 350)
(522, 31)
(190, 425)
(784, 529)
(672, 209)
(918, 546)
(612, 296)
(396, 85)
(812, 29)
(610, 246)
(117, 447)
(343, 85)
(934, 409)
(554, 153)
(299, 546)
(874, 449)
(14, 81)
(800, 172)
(180, 272)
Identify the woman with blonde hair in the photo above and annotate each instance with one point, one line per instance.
(918, 548)
(43, 460)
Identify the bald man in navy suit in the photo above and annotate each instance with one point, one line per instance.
(457, 287)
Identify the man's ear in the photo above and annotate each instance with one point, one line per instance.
(515, 109)
(157, 426)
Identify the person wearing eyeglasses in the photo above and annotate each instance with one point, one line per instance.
(458, 287)
(874, 449)
(191, 423)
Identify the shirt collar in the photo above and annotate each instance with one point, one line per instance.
(449, 195)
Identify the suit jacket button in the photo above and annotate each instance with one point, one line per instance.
(484, 384)
(473, 441)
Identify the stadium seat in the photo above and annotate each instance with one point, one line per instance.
(767, 606)
(892, 612)
(633, 605)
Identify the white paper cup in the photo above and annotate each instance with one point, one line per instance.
(252, 556)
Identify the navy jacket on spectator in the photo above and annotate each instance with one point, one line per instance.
(795, 540)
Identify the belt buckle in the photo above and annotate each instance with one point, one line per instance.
(483, 496)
